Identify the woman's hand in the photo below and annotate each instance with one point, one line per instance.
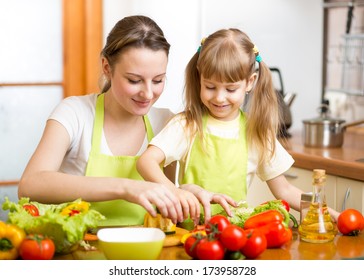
(148, 194)
(206, 198)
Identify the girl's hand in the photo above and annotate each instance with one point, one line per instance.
(206, 198)
(190, 205)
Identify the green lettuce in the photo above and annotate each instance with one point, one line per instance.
(66, 231)
(239, 214)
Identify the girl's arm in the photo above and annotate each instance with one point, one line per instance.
(282, 189)
(148, 165)
(42, 181)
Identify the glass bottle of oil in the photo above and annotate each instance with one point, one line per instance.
(317, 226)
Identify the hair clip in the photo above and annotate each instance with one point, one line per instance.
(258, 58)
(202, 42)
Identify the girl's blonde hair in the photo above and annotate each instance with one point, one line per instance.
(228, 55)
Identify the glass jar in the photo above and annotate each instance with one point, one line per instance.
(317, 225)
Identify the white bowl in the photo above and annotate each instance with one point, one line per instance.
(131, 243)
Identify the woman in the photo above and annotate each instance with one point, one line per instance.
(90, 143)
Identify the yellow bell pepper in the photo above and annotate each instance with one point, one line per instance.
(164, 224)
(11, 236)
(75, 208)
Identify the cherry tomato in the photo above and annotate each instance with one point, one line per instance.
(37, 247)
(31, 209)
(233, 238)
(255, 245)
(217, 224)
(190, 246)
(350, 222)
(210, 249)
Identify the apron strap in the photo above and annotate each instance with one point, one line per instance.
(98, 125)
(148, 128)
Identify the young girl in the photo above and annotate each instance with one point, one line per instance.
(219, 147)
(90, 143)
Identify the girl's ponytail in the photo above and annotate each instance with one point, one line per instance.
(264, 118)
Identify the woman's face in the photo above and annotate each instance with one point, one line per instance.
(138, 79)
(224, 100)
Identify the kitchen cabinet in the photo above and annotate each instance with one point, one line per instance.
(349, 194)
(341, 193)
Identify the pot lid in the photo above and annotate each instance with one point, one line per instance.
(324, 120)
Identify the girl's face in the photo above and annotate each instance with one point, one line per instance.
(138, 79)
(224, 100)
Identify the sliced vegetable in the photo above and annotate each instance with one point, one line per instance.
(75, 208)
(164, 224)
(11, 236)
(31, 209)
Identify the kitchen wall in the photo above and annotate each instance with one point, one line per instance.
(288, 34)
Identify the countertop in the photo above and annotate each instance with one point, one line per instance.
(342, 247)
(346, 161)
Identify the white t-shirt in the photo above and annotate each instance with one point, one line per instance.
(174, 143)
(76, 114)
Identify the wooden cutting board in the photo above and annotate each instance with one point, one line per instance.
(175, 239)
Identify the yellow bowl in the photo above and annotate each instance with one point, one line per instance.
(131, 243)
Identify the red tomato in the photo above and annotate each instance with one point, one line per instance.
(37, 247)
(217, 224)
(233, 238)
(210, 249)
(191, 246)
(31, 209)
(350, 222)
(255, 245)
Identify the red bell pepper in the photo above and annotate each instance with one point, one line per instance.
(270, 223)
(263, 218)
(276, 234)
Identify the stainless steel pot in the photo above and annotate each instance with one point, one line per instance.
(325, 132)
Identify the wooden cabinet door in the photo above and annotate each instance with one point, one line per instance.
(350, 194)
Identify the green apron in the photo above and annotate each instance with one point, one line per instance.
(221, 167)
(117, 212)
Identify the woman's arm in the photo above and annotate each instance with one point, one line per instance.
(41, 180)
(148, 165)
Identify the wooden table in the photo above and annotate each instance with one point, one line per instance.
(341, 248)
